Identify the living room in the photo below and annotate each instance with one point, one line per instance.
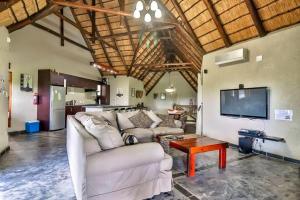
(201, 101)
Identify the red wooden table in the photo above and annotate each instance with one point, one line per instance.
(200, 144)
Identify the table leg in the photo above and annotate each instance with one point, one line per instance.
(222, 158)
(191, 164)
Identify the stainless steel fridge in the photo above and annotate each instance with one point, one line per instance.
(57, 107)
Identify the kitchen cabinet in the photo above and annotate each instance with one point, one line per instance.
(105, 94)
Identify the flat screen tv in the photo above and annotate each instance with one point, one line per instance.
(246, 102)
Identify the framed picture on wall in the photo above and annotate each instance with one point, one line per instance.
(132, 92)
(155, 95)
(163, 96)
(26, 82)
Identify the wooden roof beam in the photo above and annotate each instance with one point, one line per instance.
(144, 71)
(84, 37)
(59, 35)
(158, 28)
(90, 8)
(78, 26)
(255, 17)
(217, 22)
(99, 36)
(155, 83)
(186, 23)
(139, 44)
(43, 13)
(7, 4)
(112, 33)
(188, 81)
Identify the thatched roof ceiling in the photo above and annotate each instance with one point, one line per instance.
(188, 30)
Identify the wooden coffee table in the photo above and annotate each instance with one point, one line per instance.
(200, 144)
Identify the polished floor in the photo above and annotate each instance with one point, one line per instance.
(36, 167)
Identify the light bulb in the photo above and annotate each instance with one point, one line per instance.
(136, 14)
(147, 17)
(139, 6)
(154, 5)
(157, 13)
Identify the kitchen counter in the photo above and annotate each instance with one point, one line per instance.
(95, 107)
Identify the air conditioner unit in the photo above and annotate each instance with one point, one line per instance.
(236, 56)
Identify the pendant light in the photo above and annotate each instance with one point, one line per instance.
(149, 10)
(171, 87)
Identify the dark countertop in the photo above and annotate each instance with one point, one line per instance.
(104, 106)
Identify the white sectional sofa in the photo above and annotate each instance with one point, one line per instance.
(132, 172)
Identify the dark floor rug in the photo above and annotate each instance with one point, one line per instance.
(36, 167)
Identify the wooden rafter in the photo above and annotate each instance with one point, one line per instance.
(39, 26)
(62, 32)
(157, 57)
(165, 64)
(139, 45)
(112, 33)
(255, 17)
(192, 41)
(188, 81)
(90, 8)
(78, 26)
(84, 37)
(217, 22)
(149, 90)
(101, 39)
(50, 8)
(179, 68)
(7, 4)
(158, 28)
(186, 23)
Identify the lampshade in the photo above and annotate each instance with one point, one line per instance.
(153, 6)
(139, 6)
(157, 13)
(170, 89)
(136, 14)
(147, 17)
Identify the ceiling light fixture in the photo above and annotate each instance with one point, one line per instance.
(147, 9)
(103, 68)
(171, 87)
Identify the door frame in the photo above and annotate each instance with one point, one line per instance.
(9, 98)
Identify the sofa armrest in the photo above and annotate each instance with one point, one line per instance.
(124, 157)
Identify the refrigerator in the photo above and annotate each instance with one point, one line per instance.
(57, 108)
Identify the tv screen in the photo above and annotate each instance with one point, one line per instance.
(247, 102)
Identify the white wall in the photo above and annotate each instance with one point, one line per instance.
(4, 60)
(34, 49)
(182, 96)
(124, 85)
(279, 71)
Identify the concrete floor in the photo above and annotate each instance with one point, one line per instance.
(36, 167)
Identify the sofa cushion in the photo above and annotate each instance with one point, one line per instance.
(167, 163)
(167, 131)
(123, 120)
(142, 134)
(156, 120)
(178, 123)
(107, 136)
(141, 120)
(91, 146)
(167, 121)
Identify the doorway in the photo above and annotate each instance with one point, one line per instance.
(9, 98)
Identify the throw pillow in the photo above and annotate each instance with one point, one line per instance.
(123, 120)
(107, 136)
(130, 140)
(141, 120)
(156, 120)
(167, 121)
